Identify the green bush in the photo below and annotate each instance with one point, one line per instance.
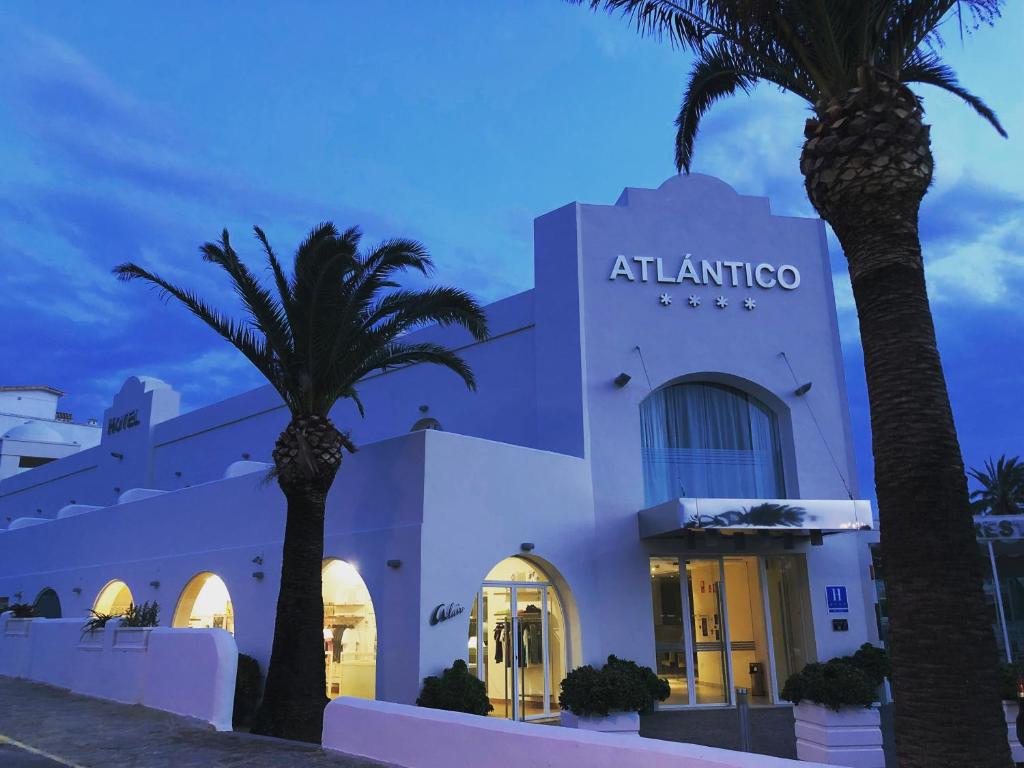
(1009, 674)
(834, 684)
(145, 615)
(872, 661)
(456, 690)
(247, 691)
(619, 686)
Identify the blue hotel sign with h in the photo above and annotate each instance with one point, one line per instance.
(837, 600)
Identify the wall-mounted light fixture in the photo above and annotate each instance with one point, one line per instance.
(155, 584)
(622, 380)
(77, 590)
(424, 408)
(394, 564)
(258, 575)
(526, 546)
(117, 455)
(117, 489)
(177, 473)
(802, 390)
(39, 511)
(246, 456)
(258, 559)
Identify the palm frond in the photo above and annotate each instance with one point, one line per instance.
(927, 69)
(242, 338)
(713, 76)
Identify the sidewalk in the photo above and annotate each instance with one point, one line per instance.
(92, 733)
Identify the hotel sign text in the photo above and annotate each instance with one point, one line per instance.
(128, 420)
(735, 273)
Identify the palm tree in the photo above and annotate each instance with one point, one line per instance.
(339, 317)
(1002, 487)
(867, 164)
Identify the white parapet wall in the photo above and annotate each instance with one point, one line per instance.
(188, 672)
(415, 737)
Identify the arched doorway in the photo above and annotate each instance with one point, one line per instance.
(47, 605)
(350, 633)
(205, 604)
(113, 599)
(517, 640)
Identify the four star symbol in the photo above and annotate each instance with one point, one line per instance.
(694, 301)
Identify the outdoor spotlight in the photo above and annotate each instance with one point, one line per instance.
(258, 559)
(802, 390)
(77, 590)
(245, 456)
(622, 380)
(424, 408)
(526, 546)
(177, 473)
(394, 563)
(816, 538)
(258, 575)
(155, 584)
(117, 455)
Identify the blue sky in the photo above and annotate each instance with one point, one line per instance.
(136, 133)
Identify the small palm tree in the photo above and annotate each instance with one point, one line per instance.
(337, 318)
(867, 164)
(1002, 487)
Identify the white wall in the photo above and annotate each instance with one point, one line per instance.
(188, 672)
(413, 737)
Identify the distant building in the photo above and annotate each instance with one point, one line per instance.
(33, 432)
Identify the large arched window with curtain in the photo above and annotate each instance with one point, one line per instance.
(705, 440)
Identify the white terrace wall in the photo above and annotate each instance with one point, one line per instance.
(185, 671)
(414, 737)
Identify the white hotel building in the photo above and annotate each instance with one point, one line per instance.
(643, 471)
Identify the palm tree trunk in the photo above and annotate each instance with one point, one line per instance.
(307, 457)
(867, 165)
(943, 650)
(295, 693)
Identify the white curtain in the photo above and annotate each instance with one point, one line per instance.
(709, 441)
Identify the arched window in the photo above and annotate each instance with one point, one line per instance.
(706, 440)
(350, 632)
(47, 605)
(113, 599)
(205, 604)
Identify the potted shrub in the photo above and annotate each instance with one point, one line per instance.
(135, 624)
(611, 698)
(456, 690)
(1009, 674)
(836, 712)
(93, 627)
(248, 682)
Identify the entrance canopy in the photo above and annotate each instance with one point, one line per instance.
(682, 516)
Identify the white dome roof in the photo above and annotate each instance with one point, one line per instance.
(35, 432)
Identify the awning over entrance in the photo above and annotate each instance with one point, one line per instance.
(681, 516)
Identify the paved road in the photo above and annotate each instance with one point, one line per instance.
(17, 755)
(43, 727)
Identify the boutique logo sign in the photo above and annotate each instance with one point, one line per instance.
(646, 269)
(443, 612)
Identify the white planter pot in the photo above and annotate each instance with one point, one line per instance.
(615, 722)
(852, 736)
(1010, 710)
(131, 638)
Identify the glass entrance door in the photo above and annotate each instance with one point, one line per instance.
(713, 628)
(517, 647)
